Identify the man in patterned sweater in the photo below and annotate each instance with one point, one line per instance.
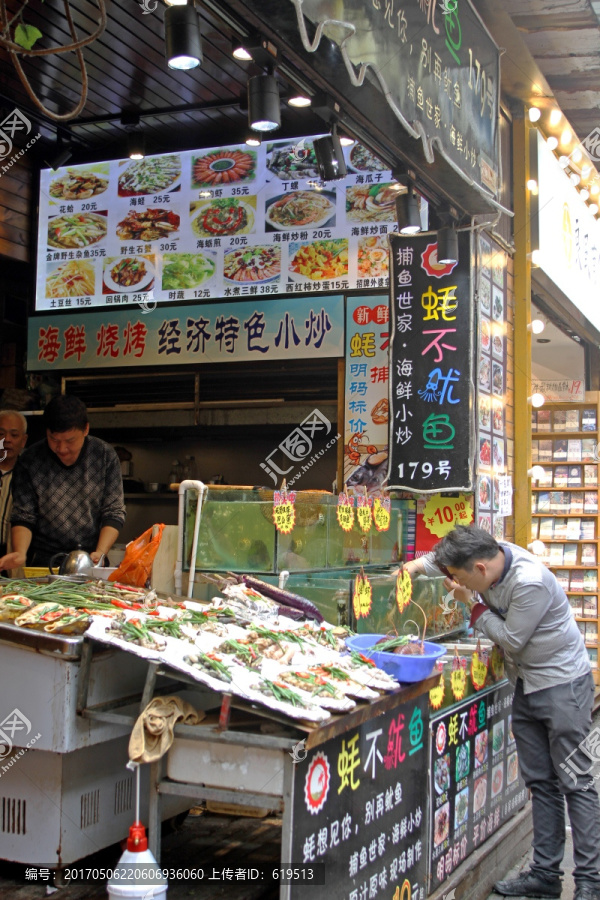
(67, 491)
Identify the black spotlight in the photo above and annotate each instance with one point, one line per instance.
(183, 46)
(407, 212)
(63, 155)
(447, 244)
(264, 113)
(330, 158)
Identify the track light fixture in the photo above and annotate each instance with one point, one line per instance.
(330, 157)
(447, 244)
(183, 46)
(407, 211)
(61, 157)
(136, 145)
(264, 113)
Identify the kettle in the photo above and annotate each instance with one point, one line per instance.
(76, 562)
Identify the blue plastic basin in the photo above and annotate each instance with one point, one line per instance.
(399, 666)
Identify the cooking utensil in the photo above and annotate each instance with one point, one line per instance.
(73, 563)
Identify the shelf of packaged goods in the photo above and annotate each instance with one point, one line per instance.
(565, 515)
(559, 435)
(564, 462)
(569, 566)
(566, 487)
(581, 594)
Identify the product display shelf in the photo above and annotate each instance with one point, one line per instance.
(565, 443)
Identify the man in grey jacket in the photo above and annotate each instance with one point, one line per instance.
(527, 613)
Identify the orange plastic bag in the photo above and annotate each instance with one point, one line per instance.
(136, 567)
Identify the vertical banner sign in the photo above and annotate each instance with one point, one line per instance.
(475, 781)
(359, 808)
(431, 385)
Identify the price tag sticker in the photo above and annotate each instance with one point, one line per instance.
(458, 683)
(362, 597)
(479, 671)
(403, 590)
(345, 512)
(284, 511)
(442, 514)
(436, 694)
(363, 513)
(382, 513)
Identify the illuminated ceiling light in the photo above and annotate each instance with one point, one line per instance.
(240, 52)
(532, 186)
(535, 114)
(346, 140)
(536, 326)
(253, 139)
(447, 245)
(577, 155)
(264, 113)
(536, 400)
(534, 258)
(565, 137)
(407, 212)
(300, 101)
(593, 208)
(136, 145)
(552, 142)
(536, 472)
(555, 117)
(586, 170)
(183, 45)
(538, 548)
(176, 2)
(330, 158)
(584, 194)
(595, 188)
(575, 178)
(564, 161)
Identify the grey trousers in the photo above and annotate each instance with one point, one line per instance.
(549, 725)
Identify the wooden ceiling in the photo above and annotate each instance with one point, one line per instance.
(127, 72)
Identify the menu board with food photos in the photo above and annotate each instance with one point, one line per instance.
(475, 781)
(492, 455)
(431, 388)
(220, 222)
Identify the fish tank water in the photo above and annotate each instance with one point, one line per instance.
(237, 534)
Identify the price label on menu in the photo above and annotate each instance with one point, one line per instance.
(443, 513)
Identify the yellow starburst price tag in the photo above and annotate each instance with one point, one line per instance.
(403, 590)
(458, 683)
(381, 513)
(479, 671)
(363, 514)
(345, 512)
(362, 597)
(441, 513)
(284, 514)
(436, 694)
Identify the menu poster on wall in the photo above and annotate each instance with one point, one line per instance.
(359, 807)
(445, 76)
(475, 779)
(431, 389)
(366, 394)
(492, 449)
(214, 332)
(223, 222)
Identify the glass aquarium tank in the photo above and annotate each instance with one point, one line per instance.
(237, 534)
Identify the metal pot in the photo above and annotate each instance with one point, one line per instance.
(73, 563)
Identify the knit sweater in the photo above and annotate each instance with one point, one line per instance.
(65, 507)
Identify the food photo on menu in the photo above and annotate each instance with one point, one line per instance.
(485, 334)
(75, 278)
(300, 209)
(80, 183)
(479, 793)
(292, 161)
(77, 231)
(373, 257)
(484, 412)
(441, 773)
(222, 167)
(252, 265)
(485, 491)
(441, 824)
(223, 216)
(150, 175)
(498, 737)
(485, 451)
(371, 202)
(481, 748)
(485, 295)
(461, 808)
(485, 373)
(319, 260)
(497, 779)
(155, 224)
(128, 273)
(187, 271)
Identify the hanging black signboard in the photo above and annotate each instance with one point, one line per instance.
(431, 387)
(437, 65)
(475, 781)
(359, 804)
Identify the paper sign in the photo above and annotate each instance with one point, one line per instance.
(345, 512)
(381, 513)
(284, 511)
(363, 513)
(436, 694)
(479, 671)
(363, 597)
(443, 513)
(403, 590)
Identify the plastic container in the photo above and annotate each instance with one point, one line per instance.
(401, 667)
(138, 862)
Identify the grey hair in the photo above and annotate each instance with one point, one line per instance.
(19, 415)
